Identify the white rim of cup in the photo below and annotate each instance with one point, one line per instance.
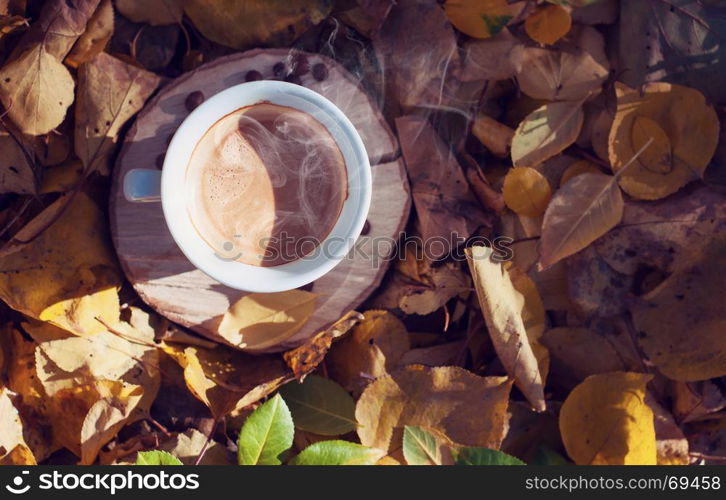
(331, 250)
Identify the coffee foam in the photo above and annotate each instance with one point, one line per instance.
(261, 171)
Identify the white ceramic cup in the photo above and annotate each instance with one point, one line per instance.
(170, 186)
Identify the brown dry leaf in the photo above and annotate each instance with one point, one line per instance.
(97, 35)
(110, 92)
(444, 204)
(153, 12)
(502, 306)
(484, 192)
(436, 355)
(579, 352)
(259, 320)
(526, 191)
(16, 170)
(420, 64)
(565, 75)
(304, 359)
(78, 279)
(581, 211)
(372, 350)
(128, 356)
(481, 18)
(578, 168)
(445, 283)
(188, 446)
(35, 87)
(250, 23)
(9, 24)
(86, 417)
(606, 421)
(13, 450)
(548, 24)
(225, 379)
(471, 410)
(680, 323)
(684, 129)
(496, 58)
(546, 132)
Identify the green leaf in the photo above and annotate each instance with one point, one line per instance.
(266, 434)
(321, 406)
(156, 457)
(484, 456)
(338, 453)
(423, 446)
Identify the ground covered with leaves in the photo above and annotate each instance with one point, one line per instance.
(581, 135)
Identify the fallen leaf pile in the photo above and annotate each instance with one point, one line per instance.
(575, 148)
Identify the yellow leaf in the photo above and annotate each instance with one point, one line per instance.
(546, 132)
(578, 168)
(110, 92)
(260, 320)
(656, 157)
(68, 274)
(502, 306)
(481, 18)
(566, 75)
(153, 12)
(255, 22)
(684, 129)
(373, 349)
(526, 191)
(681, 324)
(548, 24)
(581, 211)
(86, 417)
(225, 379)
(469, 409)
(97, 35)
(606, 421)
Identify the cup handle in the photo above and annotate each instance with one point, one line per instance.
(142, 185)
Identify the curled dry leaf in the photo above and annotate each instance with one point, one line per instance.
(526, 191)
(546, 132)
(35, 88)
(110, 92)
(496, 136)
(502, 306)
(305, 358)
(225, 379)
(445, 283)
(422, 63)
(471, 410)
(684, 130)
(78, 278)
(153, 12)
(606, 421)
(548, 24)
(481, 18)
(373, 349)
(565, 75)
(259, 320)
(97, 35)
(16, 170)
(680, 324)
(250, 23)
(581, 211)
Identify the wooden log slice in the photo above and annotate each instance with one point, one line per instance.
(160, 272)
